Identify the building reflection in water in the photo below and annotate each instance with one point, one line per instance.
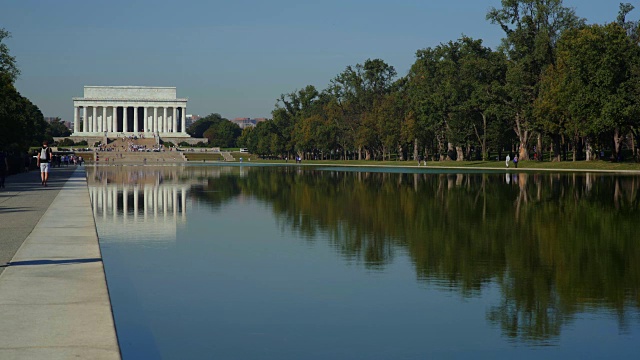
(154, 199)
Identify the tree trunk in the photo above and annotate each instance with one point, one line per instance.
(589, 153)
(440, 148)
(617, 143)
(459, 153)
(450, 151)
(633, 145)
(523, 136)
(482, 139)
(579, 148)
(415, 148)
(485, 156)
(555, 148)
(539, 149)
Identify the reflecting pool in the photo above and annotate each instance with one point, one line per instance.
(290, 262)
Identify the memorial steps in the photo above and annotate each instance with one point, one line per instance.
(138, 157)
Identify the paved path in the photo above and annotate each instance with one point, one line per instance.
(22, 203)
(54, 302)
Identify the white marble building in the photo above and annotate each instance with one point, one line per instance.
(132, 110)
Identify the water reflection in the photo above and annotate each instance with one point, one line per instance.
(556, 245)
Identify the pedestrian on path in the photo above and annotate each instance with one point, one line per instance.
(44, 159)
(507, 160)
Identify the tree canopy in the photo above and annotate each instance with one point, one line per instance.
(553, 78)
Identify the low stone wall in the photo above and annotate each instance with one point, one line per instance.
(190, 141)
(93, 139)
(89, 139)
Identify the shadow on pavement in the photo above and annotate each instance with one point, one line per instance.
(51, 262)
(14, 210)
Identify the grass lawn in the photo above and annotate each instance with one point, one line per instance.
(203, 156)
(522, 165)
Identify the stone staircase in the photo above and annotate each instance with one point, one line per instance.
(139, 157)
(227, 156)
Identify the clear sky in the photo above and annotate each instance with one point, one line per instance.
(233, 57)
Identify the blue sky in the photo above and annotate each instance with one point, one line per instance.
(231, 57)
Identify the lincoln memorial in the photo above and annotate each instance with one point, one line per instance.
(129, 110)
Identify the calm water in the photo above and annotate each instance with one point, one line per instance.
(329, 263)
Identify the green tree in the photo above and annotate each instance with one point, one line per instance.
(223, 134)
(594, 87)
(483, 76)
(198, 128)
(57, 128)
(532, 28)
(8, 65)
(290, 110)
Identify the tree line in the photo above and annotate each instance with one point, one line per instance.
(555, 83)
(21, 122)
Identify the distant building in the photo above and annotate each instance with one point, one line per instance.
(191, 119)
(247, 122)
(131, 110)
(50, 119)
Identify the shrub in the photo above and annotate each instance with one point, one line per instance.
(66, 142)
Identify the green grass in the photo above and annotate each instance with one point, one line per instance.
(203, 156)
(522, 165)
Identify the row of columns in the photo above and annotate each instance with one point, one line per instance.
(156, 200)
(98, 119)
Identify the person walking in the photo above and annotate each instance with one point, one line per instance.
(515, 160)
(44, 159)
(507, 160)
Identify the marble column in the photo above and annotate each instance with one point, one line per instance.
(76, 122)
(135, 119)
(164, 119)
(94, 121)
(89, 119)
(114, 118)
(184, 120)
(104, 119)
(125, 122)
(174, 128)
(146, 120)
(155, 119)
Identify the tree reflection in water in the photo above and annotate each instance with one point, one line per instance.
(555, 244)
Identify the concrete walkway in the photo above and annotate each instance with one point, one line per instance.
(54, 302)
